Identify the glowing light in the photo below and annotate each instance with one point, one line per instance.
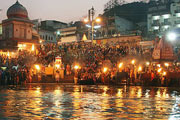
(57, 66)
(164, 73)
(98, 20)
(37, 90)
(158, 65)
(105, 69)
(140, 69)
(20, 45)
(40, 41)
(8, 54)
(147, 63)
(171, 36)
(76, 67)
(166, 64)
(58, 32)
(156, 17)
(86, 20)
(24, 45)
(37, 67)
(159, 70)
(97, 26)
(166, 16)
(33, 48)
(120, 65)
(133, 62)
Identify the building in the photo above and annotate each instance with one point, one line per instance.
(68, 35)
(47, 36)
(113, 27)
(52, 25)
(17, 29)
(163, 15)
(124, 18)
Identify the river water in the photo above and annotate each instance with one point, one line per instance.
(76, 102)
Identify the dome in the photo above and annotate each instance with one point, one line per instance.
(17, 11)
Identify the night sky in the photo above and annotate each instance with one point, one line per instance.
(61, 10)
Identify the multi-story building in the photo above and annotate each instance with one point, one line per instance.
(114, 26)
(68, 35)
(47, 36)
(124, 19)
(163, 15)
(53, 25)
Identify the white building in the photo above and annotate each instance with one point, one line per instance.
(163, 16)
(68, 34)
(47, 36)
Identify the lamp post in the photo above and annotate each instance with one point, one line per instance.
(92, 21)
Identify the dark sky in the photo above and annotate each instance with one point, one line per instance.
(62, 10)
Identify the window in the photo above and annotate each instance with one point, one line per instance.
(46, 37)
(156, 17)
(166, 16)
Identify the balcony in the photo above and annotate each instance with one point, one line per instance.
(177, 11)
(166, 23)
(177, 22)
(155, 24)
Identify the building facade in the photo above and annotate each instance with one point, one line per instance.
(47, 36)
(17, 28)
(162, 17)
(68, 35)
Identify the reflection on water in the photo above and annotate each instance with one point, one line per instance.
(50, 101)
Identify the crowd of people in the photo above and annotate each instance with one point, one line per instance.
(97, 64)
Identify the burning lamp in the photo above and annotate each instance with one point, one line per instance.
(164, 73)
(147, 63)
(33, 48)
(166, 64)
(37, 67)
(105, 69)
(57, 66)
(158, 65)
(133, 62)
(8, 54)
(159, 70)
(76, 67)
(139, 69)
(120, 65)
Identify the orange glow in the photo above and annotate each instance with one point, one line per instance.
(76, 67)
(98, 20)
(120, 65)
(133, 62)
(147, 63)
(140, 69)
(159, 70)
(158, 65)
(166, 64)
(164, 73)
(37, 67)
(86, 20)
(105, 69)
(33, 48)
(57, 66)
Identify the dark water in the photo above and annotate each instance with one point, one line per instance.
(71, 102)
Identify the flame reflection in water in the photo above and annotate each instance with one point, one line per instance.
(88, 102)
